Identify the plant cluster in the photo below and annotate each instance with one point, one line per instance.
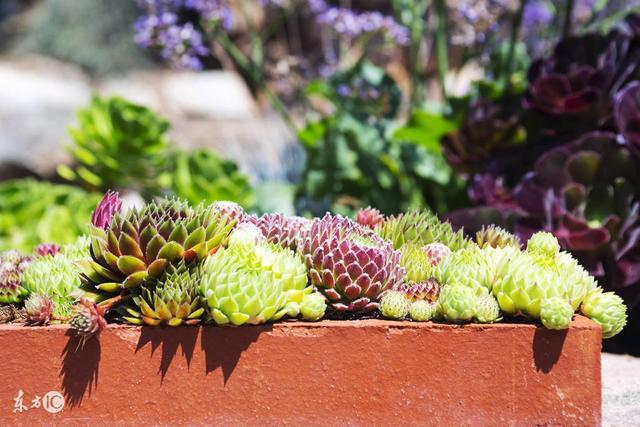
(121, 145)
(170, 263)
(563, 155)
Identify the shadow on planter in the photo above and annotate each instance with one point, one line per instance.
(547, 347)
(171, 339)
(80, 365)
(222, 346)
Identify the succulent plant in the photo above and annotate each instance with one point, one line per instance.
(246, 233)
(47, 249)
(201, 176)
(468, 267)
(556, 313)
(118, 144)
(427, 290)
(457, 303)
(523, 285)
(88, 321)
(422, 310)
(12, 266)
(174, 300)
(415, 262)
(487, 309)
(106, 209)
(55, 277)
(627, 113)
(33, 212)
(39, 309)
(573, 88)
(286, 231)
(350, 266)
(543, 243)
(436, 252)
(369, 217)
(237, 290)
(394, 305)
(496, 237)
(489, 129)
(139, 245)
(230, 209)
(420, 227)
(313, 307)
(607, 310)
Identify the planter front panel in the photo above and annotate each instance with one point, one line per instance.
(349, 372)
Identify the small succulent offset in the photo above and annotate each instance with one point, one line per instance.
(12, 266)
(457, 304)
(369, 217)
(56, 278)
(394, 305)
(88, 320)
(313, 307)
(39, 310)
(606, 309)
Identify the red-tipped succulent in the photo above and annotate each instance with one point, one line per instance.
(351, 266)
(106, 209)
(88, 321)
(47, 249)
(280, 229)
(369, 217)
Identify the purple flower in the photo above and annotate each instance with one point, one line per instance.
(537, 13)
(352, 24)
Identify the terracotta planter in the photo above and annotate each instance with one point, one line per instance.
(353, 372)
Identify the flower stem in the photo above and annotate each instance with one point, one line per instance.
(109, 303)
(255, 73)
(441, 47)
(513, 41)
(566, 29)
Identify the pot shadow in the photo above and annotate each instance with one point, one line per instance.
(547, 347)
(171, 338)
(223, 346)
(80, 365)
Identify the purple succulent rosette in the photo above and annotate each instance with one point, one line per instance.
(350, 265)
(574, 88)
(106, 209)
(280, 229)
(627, 113)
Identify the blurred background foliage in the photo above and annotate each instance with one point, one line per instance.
(498, 111)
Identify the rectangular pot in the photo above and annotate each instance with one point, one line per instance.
(368, 372)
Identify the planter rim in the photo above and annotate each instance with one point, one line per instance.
(579, 322)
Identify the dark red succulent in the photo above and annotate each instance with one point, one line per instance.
(489, 129)
(627, 113)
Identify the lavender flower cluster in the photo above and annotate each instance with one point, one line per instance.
(180, 42)
(352, 24)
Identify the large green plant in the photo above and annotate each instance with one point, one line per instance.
(118, 144)
(202, 176)
(33, 212)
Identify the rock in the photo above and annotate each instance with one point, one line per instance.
(209, 94)
(620, 390)
(39, 97)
